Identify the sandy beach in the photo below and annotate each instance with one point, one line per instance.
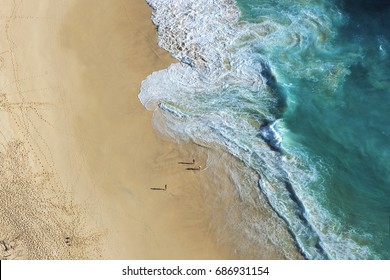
(80, 163)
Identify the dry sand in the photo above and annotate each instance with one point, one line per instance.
(78, 154)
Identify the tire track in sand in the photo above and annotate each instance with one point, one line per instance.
(38, 217)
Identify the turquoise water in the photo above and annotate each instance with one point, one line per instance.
(300, 92)
(343, 117)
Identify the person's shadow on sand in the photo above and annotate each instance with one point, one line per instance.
(160, 189)
(184, 162)
(195, 168)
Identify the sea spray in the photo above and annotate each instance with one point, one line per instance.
(227, 90)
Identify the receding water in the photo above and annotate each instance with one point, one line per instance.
(300, 92)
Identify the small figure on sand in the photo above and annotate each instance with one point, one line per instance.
(187, 162)
(160, 189)
(199, 167)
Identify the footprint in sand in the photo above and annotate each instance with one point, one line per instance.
(10, 251)
(1, 62)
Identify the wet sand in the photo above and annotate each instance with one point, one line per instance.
(79, 157)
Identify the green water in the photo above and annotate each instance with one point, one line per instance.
(299, 92)
(335, 72)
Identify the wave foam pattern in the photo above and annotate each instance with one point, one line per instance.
(223, 92)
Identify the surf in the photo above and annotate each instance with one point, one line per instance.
(238, 66)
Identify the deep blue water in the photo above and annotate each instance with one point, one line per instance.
(345, 119)
(300, 92)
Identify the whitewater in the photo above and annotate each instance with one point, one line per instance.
(244, 69)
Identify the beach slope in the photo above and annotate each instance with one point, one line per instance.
(83, 174)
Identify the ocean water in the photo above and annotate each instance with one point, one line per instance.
(300, 92)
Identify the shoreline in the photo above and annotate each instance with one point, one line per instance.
(80, 155)
(130, 158)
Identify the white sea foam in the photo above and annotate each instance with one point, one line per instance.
(202, 35)
(219, 93)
